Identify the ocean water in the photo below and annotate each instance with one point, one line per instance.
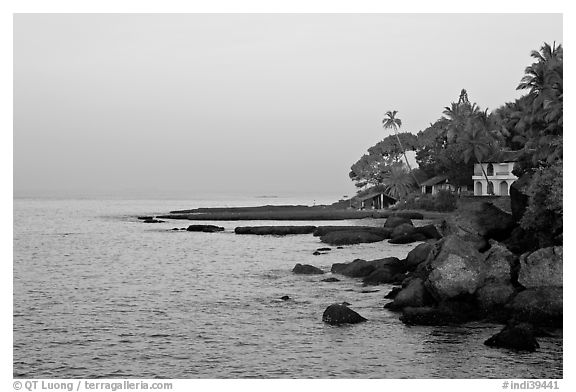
(99, 294)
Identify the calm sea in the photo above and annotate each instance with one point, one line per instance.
(99, 294)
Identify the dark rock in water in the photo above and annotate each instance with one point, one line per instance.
(493, 296)
(350, 237)
(430, 231)
(381, 231)
(175, 229)
(331, 280)
(145, 217)
(402, 229)
(337, 314)
(316, 253)
(518, 337)
(395, 221)
(306, 269)
(205, 228)
(339, 247)
(285, 298)
(153, 221)
(274, 230)
(323, 249)
(369, 291)
(392, 293)
(408, 238)
(345, 303)
(385, 272)
(542, 268)
(414, 295)
(540, 306)
(418, 255)
(361, 268)
(428, 316)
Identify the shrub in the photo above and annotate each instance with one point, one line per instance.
(445, 201)
(442, 201)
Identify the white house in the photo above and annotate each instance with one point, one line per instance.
(498, 169)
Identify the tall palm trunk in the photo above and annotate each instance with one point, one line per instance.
(486, 177)
(406, 158)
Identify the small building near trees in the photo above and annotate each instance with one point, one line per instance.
(498, 169)
(375, 200)
(435, 184)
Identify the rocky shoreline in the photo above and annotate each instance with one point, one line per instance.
(473, 265)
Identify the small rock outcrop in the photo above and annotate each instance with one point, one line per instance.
(541, 268)
(205, 228)
(394, 221)
(414, 295)
(540, 306)
(331, 280)
(306, 269)
(518, 337)
(350, 237)
(337, 314)
(418, 255)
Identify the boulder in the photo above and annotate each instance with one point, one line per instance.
(493, 296)
(381, 231)
(402, 229)
(408, 238)
(350, 237)
(414, 295)
(361, 268)
(418, 255)
(392, 293)
(540, 305)
(386, 273)
(430, 231)
(494, 223)
(541, 268)
(497, 264)
(152, 220)
(518, 337)
(205, 228)
(331, 280)
(274, 230)
(337, 314)
(453, 269)
(394, 221)
(306, 269)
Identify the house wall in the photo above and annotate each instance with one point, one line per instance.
(500, 176)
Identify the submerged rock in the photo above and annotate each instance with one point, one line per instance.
(539, 305)
(350, 237)
(330, 280)
(408, 238)
(323, 249)
(205, 228)
(306, 269)
(428, 316)
(381, 231)
(337, 314)
(361, 268)
(152, 220)
(285, 298)
(518, 337)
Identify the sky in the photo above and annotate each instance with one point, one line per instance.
(255, 104)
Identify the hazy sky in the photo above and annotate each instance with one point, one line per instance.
(180, 105)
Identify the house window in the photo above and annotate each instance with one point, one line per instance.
(490, 170)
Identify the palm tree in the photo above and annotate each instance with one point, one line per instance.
(476, 141)
(394, 123)
(398, 182)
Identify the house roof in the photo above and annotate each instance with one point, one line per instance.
(373, 194)
(434, 180)
(504, 156)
